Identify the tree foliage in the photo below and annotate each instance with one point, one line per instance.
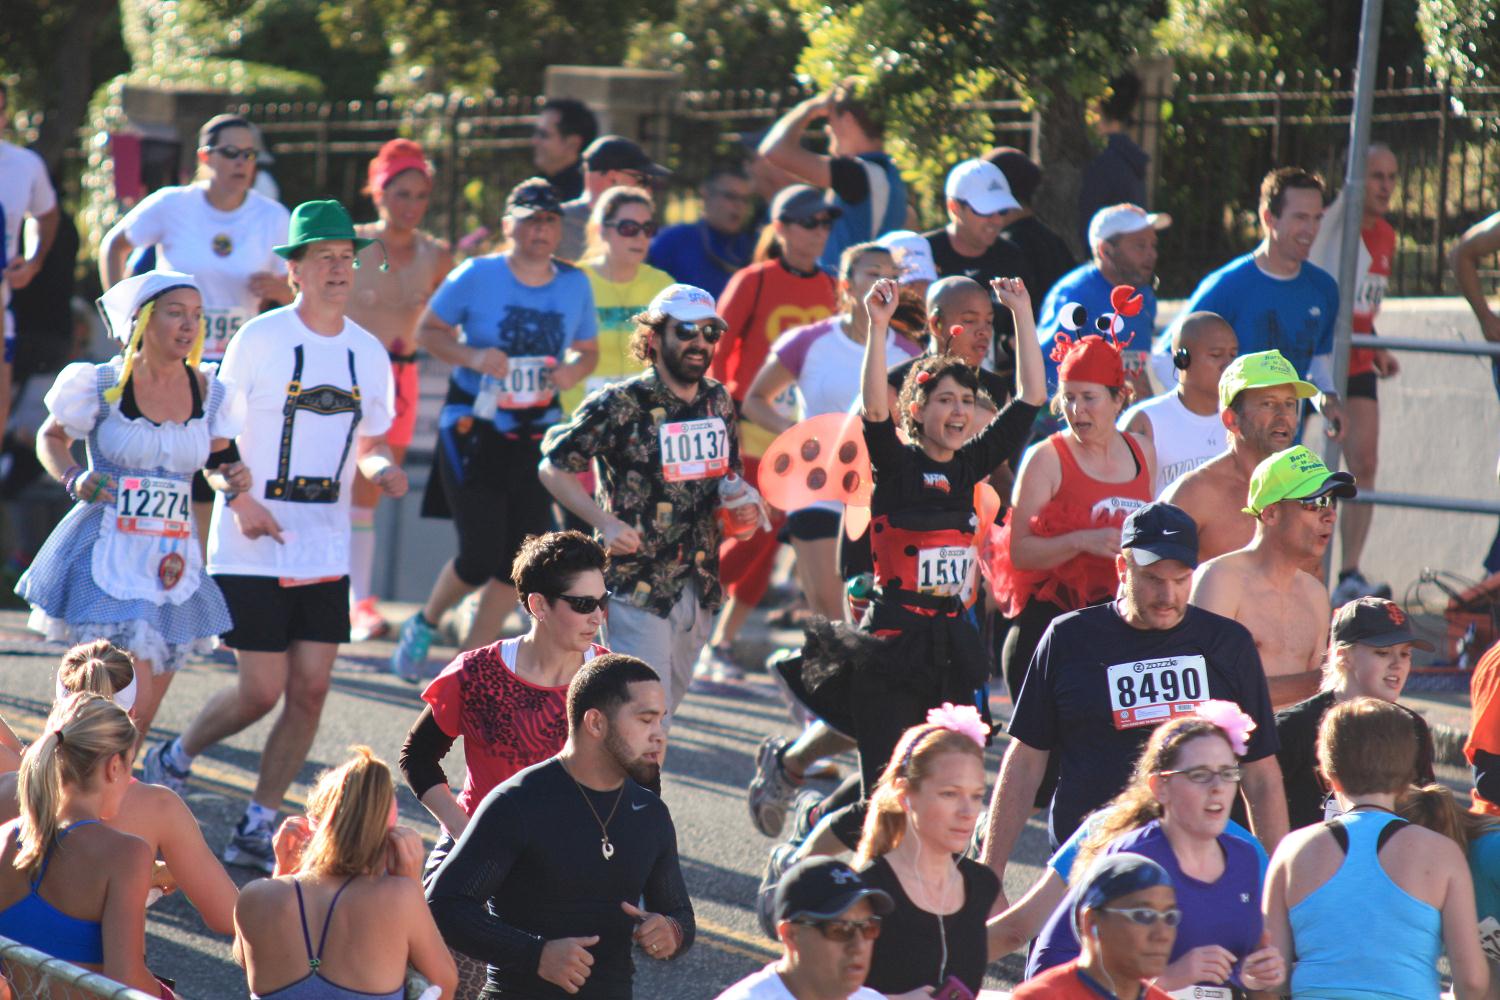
(722, 44)
(1462, 37)
(1286, 35)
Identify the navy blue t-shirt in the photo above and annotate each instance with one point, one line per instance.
(1097, 686)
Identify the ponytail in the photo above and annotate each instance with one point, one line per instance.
(97, 666)
(83, 731)
(768, 247)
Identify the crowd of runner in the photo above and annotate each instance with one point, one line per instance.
(957, 434)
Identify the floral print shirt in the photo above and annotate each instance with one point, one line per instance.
(660, 462)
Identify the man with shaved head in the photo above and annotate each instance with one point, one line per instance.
(1184, 423)
(960, 321)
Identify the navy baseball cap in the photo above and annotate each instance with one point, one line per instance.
(823, 888)
(800, 202)
(1160, 531)
(615, 152)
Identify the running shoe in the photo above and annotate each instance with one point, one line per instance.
(409, 661)
(716, 664)
(251, 847)
(802, 814)
(771, 789)
(1352, 585)
(157, 770)
(765, 897)
(366, 622)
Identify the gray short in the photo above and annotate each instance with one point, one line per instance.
(670, 645)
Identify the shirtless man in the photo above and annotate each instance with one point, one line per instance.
(1184, 424)
(1263, 585)
(387, 301)
(1259, 401)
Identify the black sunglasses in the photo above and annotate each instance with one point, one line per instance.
(843, 931)
(236, 152)
(582, 604)
(629, 227)
(817, 222)
(707, 329)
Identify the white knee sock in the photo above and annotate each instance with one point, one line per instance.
(361, 553)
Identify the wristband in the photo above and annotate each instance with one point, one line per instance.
(98, 488)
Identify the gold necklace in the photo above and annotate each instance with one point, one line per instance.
(605, 847)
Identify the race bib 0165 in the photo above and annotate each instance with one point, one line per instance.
(158, 507)
(694, 449)
(1149, 692)
(526, 385)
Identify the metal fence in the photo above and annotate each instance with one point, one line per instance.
(34, 975)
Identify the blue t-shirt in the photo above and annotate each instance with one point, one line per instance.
(1484, 865)
(1292, 315)
(1087, 286)
(483, 298)
(1062, 859)
(1224, 912)
(694, 253)
(855, 195)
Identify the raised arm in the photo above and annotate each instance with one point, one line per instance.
(782, 145)
(1031, 374)
(880, 303)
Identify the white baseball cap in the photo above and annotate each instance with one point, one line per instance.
(684, 303)
(1123, 219)
(912, 254)
(980, 185)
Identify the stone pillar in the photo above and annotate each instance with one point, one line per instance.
(635, 103)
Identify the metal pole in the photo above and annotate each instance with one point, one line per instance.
(1354, 207)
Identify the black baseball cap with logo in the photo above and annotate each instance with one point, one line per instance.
(1375, 621)
(823, 888)
(536, 194)
(615, 152)
(1160, 531)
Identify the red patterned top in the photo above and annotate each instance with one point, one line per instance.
(507, 723)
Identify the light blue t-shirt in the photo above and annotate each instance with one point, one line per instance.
(858, 223)
(1087, 286)
(1292, 315)
(483, 298)
(1484, 865)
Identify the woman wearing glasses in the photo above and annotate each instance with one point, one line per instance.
(221, 232)
(619, 233)
(1365, 904)
(507, 700)
(1174, 812)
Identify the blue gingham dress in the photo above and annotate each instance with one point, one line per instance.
(68, 603)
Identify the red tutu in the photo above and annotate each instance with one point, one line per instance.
(1081, 581)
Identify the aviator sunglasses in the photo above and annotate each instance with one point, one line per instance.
(843, 931)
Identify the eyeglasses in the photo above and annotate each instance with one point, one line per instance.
(1229, 774)
(843, 931)
(1312, 506)
(1145, 916)
(235, 152)
(816, 222)
(707, 329)
(629, 227)
(583, 604)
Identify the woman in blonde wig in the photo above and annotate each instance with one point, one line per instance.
(69, 884)
(125, 563)
(352, 916)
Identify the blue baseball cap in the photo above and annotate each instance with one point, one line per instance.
(1160, 531)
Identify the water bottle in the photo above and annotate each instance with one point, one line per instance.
(487, 399)
(733, 497)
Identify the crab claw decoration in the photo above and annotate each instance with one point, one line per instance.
(923, 377)
(1126, 301)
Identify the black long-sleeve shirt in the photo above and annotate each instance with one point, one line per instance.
(529, 869)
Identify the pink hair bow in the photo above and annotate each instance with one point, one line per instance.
(1228, 716)
(964, 719)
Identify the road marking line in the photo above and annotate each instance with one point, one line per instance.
(739, 942)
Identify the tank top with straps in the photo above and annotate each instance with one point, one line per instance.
(34, 922)
(314, 985)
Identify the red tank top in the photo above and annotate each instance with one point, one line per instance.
(1107, 503)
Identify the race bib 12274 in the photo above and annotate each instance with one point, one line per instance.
(157, 507)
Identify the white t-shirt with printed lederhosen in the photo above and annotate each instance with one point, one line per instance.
(24, 190)
(767, 985)
(261, 363)
(1184, 440)
(221, 250)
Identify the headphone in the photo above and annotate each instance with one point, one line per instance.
(1181, 359)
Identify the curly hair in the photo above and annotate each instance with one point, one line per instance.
(916, 390)
(640, 339)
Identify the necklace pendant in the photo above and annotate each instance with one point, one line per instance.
(606, 848)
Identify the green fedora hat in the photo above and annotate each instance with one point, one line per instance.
(320, 220)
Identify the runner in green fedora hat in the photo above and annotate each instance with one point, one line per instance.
(313, 221)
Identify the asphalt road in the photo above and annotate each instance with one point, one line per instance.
(709, 764)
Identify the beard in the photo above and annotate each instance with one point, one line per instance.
(671, 356)
(643, 772)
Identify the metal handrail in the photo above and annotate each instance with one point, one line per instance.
(1482, 348)
(18, 957)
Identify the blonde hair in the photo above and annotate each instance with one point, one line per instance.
(911, 763)
(83, 731)
(133, 348)
(1435, 807)
(351, 807)
(98, 666)
(609, 203)
(1137, 805)
(1335, 670)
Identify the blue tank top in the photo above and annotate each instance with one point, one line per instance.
(314, 986)
(1335, 925)
(38, 924)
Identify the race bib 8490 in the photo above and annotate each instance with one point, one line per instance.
(1149, 692)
